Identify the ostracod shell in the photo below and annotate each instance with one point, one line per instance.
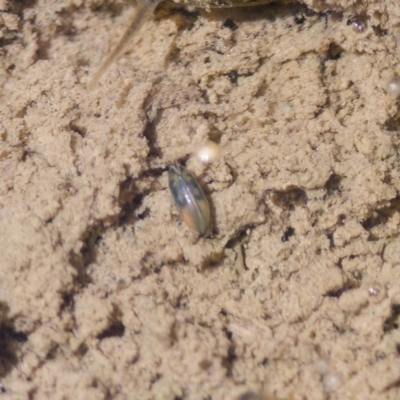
(189, 198)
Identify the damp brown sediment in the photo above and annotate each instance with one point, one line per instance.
(105, 294)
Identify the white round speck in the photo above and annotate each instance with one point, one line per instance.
(321, 367)
(332, 381)
(209, 153)
(393, 86)
(373, 291)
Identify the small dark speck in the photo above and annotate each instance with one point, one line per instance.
(71, 31)
(379, 31)
(233, 76)
(19, 336)
(229, 23)
(288, 233)
(249, 396)
(299, 20)
(265, 361)
(310, 13)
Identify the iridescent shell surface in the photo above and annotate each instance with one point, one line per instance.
(189, 198)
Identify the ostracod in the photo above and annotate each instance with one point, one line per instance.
(189, 198)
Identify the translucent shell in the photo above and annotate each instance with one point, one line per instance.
(189, 198)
